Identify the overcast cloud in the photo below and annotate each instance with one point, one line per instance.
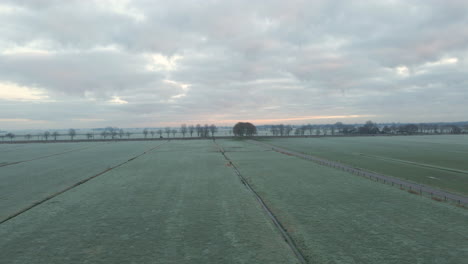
(148, 63)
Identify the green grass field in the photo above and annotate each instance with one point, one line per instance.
(337, 217)
(438, 161)
(183, 203)
(29, 182)
(177, 204)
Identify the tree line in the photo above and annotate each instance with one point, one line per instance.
(248, 129)
(369, 128)
(118, 133)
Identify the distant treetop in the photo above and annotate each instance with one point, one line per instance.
(244, 129)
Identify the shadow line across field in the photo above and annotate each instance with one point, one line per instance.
(436, 194)
(78, 184)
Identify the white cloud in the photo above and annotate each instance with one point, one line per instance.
(9, 9)
(117, 100)
(22, 120)
(402, 71)
(441, 62)
(35, 47)
(14, 92)
(88, 119)
(435, 65)
(159, 62)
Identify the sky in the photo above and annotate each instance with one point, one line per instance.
(146, 63)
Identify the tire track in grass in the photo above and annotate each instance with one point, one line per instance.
(414, 163)
(287, 238)
(77, 184)
(47, 156)
(413, 187)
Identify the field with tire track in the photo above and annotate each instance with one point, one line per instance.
(181, 201)
(438, 161)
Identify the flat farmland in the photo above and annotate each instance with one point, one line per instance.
(26, 183)
(337, 217)
(438, 161)
(179, 203)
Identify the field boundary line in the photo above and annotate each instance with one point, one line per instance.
(424, 165)
(77, 184)
(47, 156)
(284, 233)
(415, 188)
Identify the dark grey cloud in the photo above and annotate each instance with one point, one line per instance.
(143, 63)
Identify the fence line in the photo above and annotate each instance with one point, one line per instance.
(435, 194)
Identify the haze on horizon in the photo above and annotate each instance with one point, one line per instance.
(144, 63)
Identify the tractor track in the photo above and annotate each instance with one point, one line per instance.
(47, 156)
(411, 186)
(284, 233)
(77, 184)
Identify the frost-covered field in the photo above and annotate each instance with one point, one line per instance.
(337, 217)
(439, 161)
(181, 202)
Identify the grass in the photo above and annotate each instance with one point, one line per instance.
(177, 204)
(336, 217)
(10, 153)
(183, 203)
(438, 161)
(29, 182)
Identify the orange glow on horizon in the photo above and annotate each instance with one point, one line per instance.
(263, 121)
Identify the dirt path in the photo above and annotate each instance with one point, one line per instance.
(411, 186)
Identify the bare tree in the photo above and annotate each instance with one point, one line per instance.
(199, 130)
(191, 129)
(113, 133)
(152, 133)
(28, 136)
(167, 130)
(46, 135)
(72, 133)
(55, 135)
(205, 130)
(11, 136)
(145, 132)
(173, 131)
(121, 133)
(128, 134)
(160, 132)
(183, 129)
(213, 129)
(89, 135)
(104, 134)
